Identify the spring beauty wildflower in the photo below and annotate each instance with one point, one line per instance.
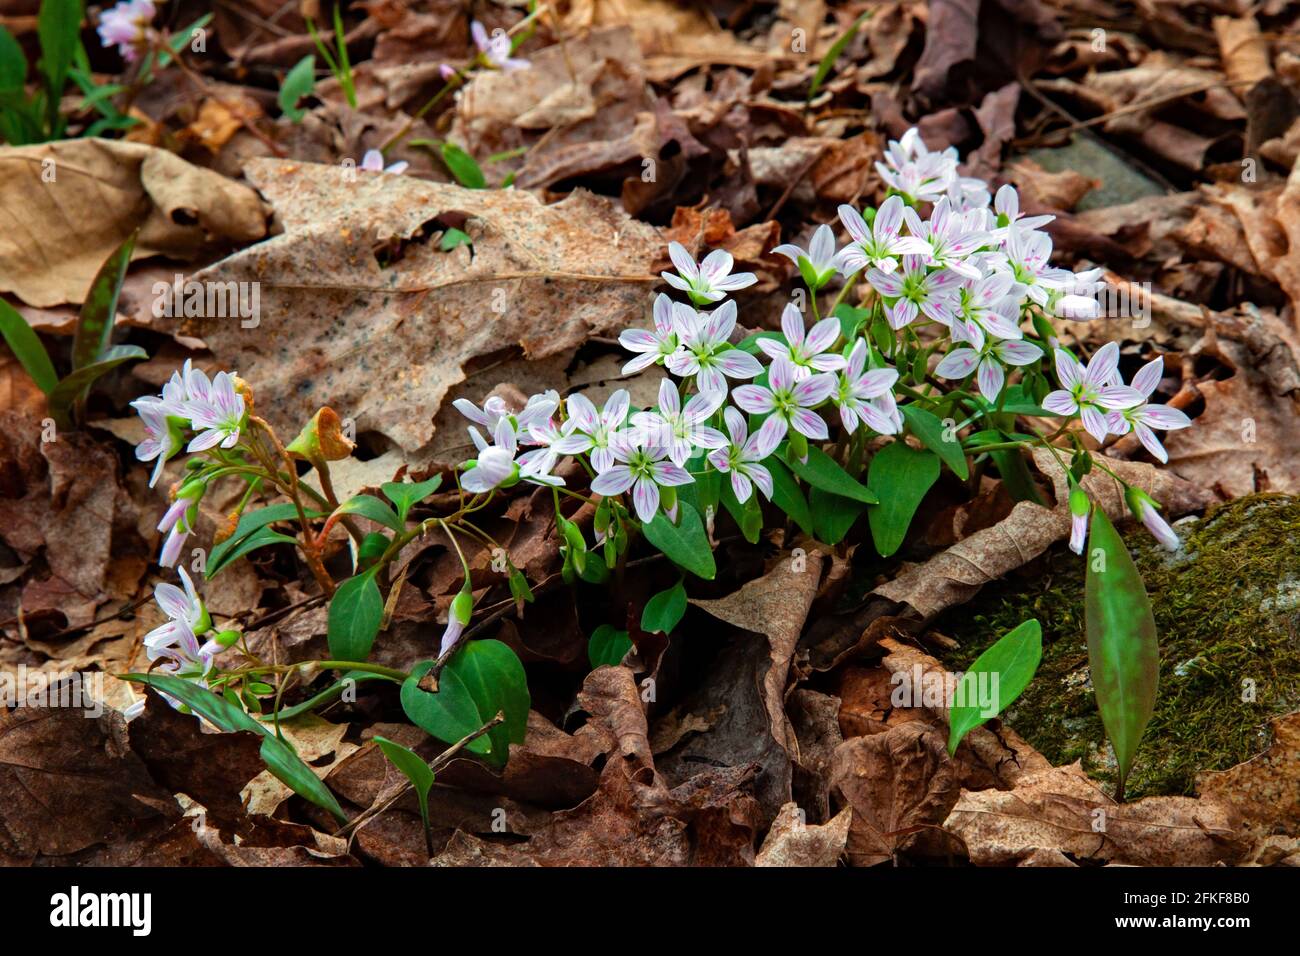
(458, 616)
(496, 49)
(163, 436)
(911, 168)
(178, 521)
(217, 415)
(989, 305)
(1146, 510)
(705, 350)
(866, 396)
(710, 280)
(918, 290)
(590, 431)
(806, 351)
(879, 244)
(1080, 509)
(677, 429)
(1006, 204)
(536, 412)
(817, 262)
(496, 464)
(988, 362)
(1142, 418)
(1084, 391)
(373, 162)
(641, 468)
(654, 347)
(743, 454)
(126, 26)
(946, 238)
(790, 401)
(185, 613)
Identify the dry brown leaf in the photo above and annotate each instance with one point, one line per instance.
(954, 576)
(1062, 811)
(1243, 49)
(776, 606)
(540, 278)
(1265, 789)
(58, 232)
(793, 842)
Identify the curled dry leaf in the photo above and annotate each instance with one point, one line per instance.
(794, 842)
(1061, 811)
(70, 203)
(954, 575)
(358, 267)
(1263, 789)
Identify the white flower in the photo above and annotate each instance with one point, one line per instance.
(178, 522)
(1085, 392)
(536, 412)
(217, 413)
(496, 464)
(656, 346)
(989, 360)
(1007, 206)
(910, 168)
(1145, 417)
(705, 351)
(1025, 255)
(496, 49)
(989, 305)
(807, 352)
(867, 396)
(790, 401)
(709, 281)
(1146, 510)
(947, 237)
(591, 432)
(373, 162)
(185, 614)
(879, 244)
(162, 436)
(641, 469)
(126, 26)
(816, 263)
(677, 430)
(918, 289)
(742, 455)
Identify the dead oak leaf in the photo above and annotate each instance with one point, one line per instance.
(356, 270)
(793, 842)
(1265, 790)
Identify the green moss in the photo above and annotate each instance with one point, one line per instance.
(1227, 610)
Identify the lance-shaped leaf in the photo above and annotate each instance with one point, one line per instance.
(95, 323)
(415, 770)
(1123, 655)
(70, 390)
(1005, 669)
(356, 611)
(27, 347)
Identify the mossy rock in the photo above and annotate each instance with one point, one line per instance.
(1227, 610)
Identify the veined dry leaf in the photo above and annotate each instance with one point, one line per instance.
(59, 231)
(793, 842)
(954, 576)
(1062, 810)
(1265, 789)
(539, 278)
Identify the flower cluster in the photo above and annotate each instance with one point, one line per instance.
(126, 26)
(964, 293)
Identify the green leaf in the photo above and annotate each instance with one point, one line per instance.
(249, 523)
(927, 427)
(27, 348)
(463, 166)
(833, 54)
(519, 589)
(412, 765)
(824, 472)
(1010, 664)
(368, 506)
(787, 495)
(1123, 654)
(355, 613)
(900, 476)
(664, 610)
(13, 64)
(299, 82)
(851, 319)
(452, 238)
(748, 516)
(325, 696)
(833, 515)
(480, 679)
(685, 543)
(247, 545)
(59, 28)
(607, 645)
(278, 756)
(95, 323)
(181, 39)
(71, 388)
(406, 495)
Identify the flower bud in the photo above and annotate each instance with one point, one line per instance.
(1146, 510)
(322, 438)
(228, 638)
(1080, 508)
